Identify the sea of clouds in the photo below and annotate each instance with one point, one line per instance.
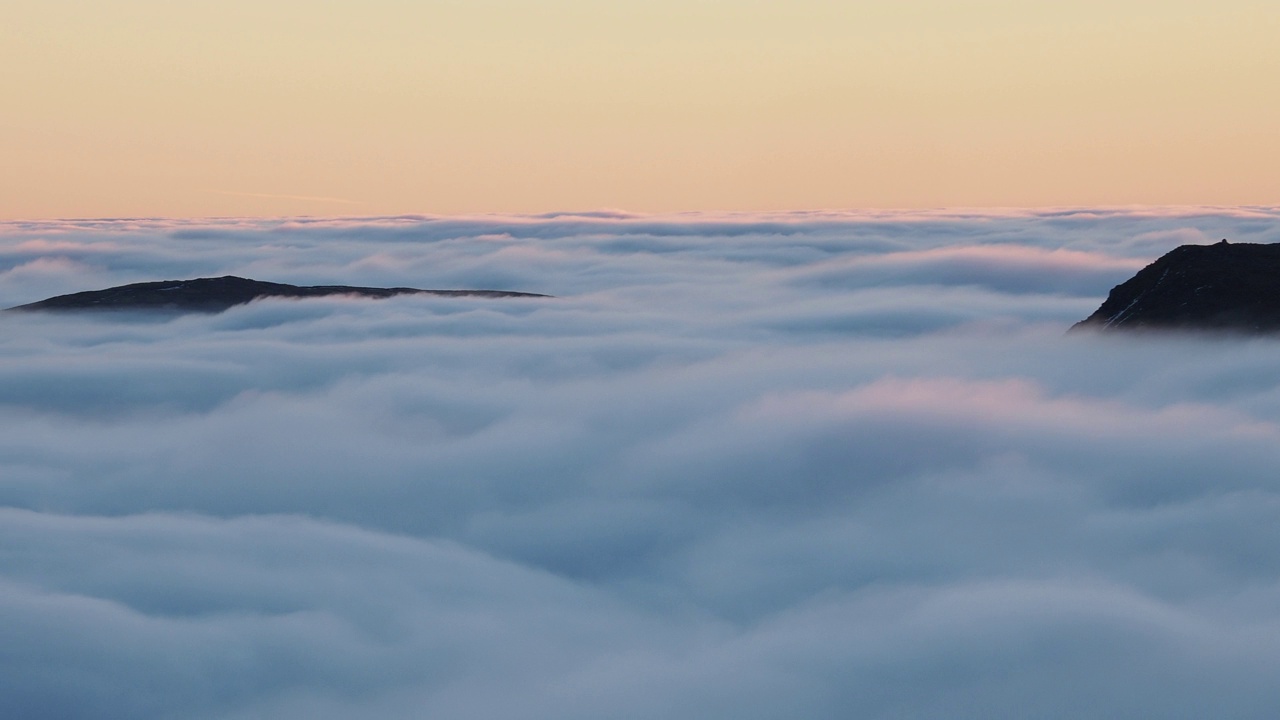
(796, 465)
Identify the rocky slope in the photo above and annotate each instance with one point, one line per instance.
(1221, 287)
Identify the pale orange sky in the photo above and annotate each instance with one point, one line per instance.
(231, 107)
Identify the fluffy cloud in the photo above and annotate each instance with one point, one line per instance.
(812, 464)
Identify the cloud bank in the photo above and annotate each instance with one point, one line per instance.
(819, 465)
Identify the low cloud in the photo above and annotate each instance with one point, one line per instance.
(1003, 268)
(815, 465)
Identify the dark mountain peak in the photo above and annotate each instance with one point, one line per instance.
(220, 293)
(1225, 286)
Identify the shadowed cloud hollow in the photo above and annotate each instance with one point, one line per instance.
(819, 465)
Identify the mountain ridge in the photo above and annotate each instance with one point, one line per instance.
(214, 295)
(1227, 287)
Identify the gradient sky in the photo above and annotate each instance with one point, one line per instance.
(143, 107)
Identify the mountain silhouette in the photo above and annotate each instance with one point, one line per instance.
(213, 295)
(1232, 287)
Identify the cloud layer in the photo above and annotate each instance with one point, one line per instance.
(811, 465)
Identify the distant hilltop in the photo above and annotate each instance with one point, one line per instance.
(213, 295)
(1231, 287)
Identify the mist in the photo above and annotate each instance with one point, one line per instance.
(818, 465)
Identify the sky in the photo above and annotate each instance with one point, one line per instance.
(800, 431)
(147, 108)
(742, 465)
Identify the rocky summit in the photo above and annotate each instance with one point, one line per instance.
(1226, 287)
(214, 295)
